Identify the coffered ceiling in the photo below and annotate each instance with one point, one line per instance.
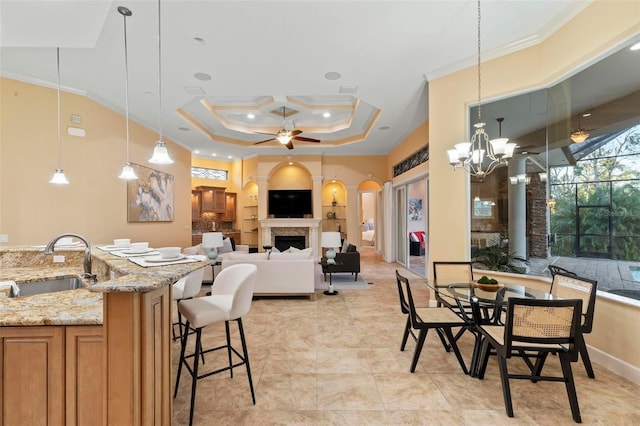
(352, 74)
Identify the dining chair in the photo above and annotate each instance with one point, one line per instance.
(537, 326)
(553, 270)
(230, 300)
(451, 272)
(185, 288)
(440, 319)
(568, 286)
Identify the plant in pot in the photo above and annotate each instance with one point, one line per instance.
(497, 258)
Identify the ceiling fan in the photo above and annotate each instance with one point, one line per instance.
(284, 136)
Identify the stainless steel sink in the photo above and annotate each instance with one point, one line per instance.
(49, 286)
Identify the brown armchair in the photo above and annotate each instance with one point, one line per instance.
(345, 262)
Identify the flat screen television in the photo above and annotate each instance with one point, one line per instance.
(293, 203)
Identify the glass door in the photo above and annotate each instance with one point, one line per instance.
(594, 231)
(402, 242)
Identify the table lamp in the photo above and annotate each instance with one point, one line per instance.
(330, 240)
(212, 240)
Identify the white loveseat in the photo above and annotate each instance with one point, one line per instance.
(290, 274)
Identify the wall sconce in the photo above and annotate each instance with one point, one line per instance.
(521, 178)
(543, 176)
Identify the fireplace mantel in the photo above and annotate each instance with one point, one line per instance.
(312, 224)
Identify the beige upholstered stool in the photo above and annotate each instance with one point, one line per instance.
(186, 288)
(230, 300)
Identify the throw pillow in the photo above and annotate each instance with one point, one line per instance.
(190, 251)
(352, 248)
(297, 250)
(275, 250)
(413, 237)
(345, 246)
(226, 246)
(233, 243)
(293, 249)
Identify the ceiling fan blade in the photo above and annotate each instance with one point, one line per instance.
(263, 133)
(295, 132)
(289, 145)
(268, 140)
(303, 139)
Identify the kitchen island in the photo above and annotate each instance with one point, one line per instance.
(96, 355)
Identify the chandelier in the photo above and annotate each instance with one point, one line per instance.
(481, 156)
(580, 135)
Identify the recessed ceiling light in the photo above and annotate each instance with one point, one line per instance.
(635, 46)
(203, 76)
(332, 75)
(384, 128)
(184, 129)
(586, 114)
(326, 115)
(197, 151)
(230, 156)
(148, 93)
(213, 155)
(251, 116)
(291, 163)
(198, 40)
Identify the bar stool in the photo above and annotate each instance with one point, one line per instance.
(186, 288)
(230, 300)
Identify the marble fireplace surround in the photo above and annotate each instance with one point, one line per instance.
(308, 227)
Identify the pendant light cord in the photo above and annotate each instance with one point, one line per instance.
(479, 67)
(159, 77)
(126, 83)
(59, 141)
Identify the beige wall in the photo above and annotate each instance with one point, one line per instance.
(32, 210)
(599, 28)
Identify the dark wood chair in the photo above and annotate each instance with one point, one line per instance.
(440, 319)
(567, 286)
(540, 327)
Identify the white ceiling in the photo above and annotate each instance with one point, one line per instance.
(262, 55)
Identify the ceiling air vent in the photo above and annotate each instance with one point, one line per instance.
(348, 90)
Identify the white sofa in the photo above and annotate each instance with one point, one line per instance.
(290, 274)
(208, 272)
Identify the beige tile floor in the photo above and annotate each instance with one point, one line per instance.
(337, 361)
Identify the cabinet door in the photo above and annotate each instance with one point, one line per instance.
(195, 205)
(212, 199)
(31, 375)
(230, 207)
(86, 373)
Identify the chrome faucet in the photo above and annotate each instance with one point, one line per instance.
(87, 252)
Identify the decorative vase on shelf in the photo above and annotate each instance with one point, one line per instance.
(334, 203)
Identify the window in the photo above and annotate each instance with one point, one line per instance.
(215, 174)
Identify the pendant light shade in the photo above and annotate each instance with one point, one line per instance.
(127, 171)
(59, 177)
(160, 153)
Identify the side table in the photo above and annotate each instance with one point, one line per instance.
(331, 291)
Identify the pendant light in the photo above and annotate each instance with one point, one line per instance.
(160, 154)
(127, 171)
(480, 156)
(59, 177)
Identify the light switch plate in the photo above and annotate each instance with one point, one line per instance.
(4, 238)
(58, 259)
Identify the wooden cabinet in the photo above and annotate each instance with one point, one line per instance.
(230, 207)
(195, 206)
(32, 375)
(211, 199)
(52, 375)
(86, 376)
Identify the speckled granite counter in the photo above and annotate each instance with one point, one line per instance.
(81, 306)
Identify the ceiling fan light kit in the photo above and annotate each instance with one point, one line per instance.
(284, 136)
(579, 135)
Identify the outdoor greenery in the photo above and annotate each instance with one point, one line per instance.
(599, 200)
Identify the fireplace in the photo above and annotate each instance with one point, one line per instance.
(306, 228)
(283, 242)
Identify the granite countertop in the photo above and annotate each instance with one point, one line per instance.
(80, 306)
